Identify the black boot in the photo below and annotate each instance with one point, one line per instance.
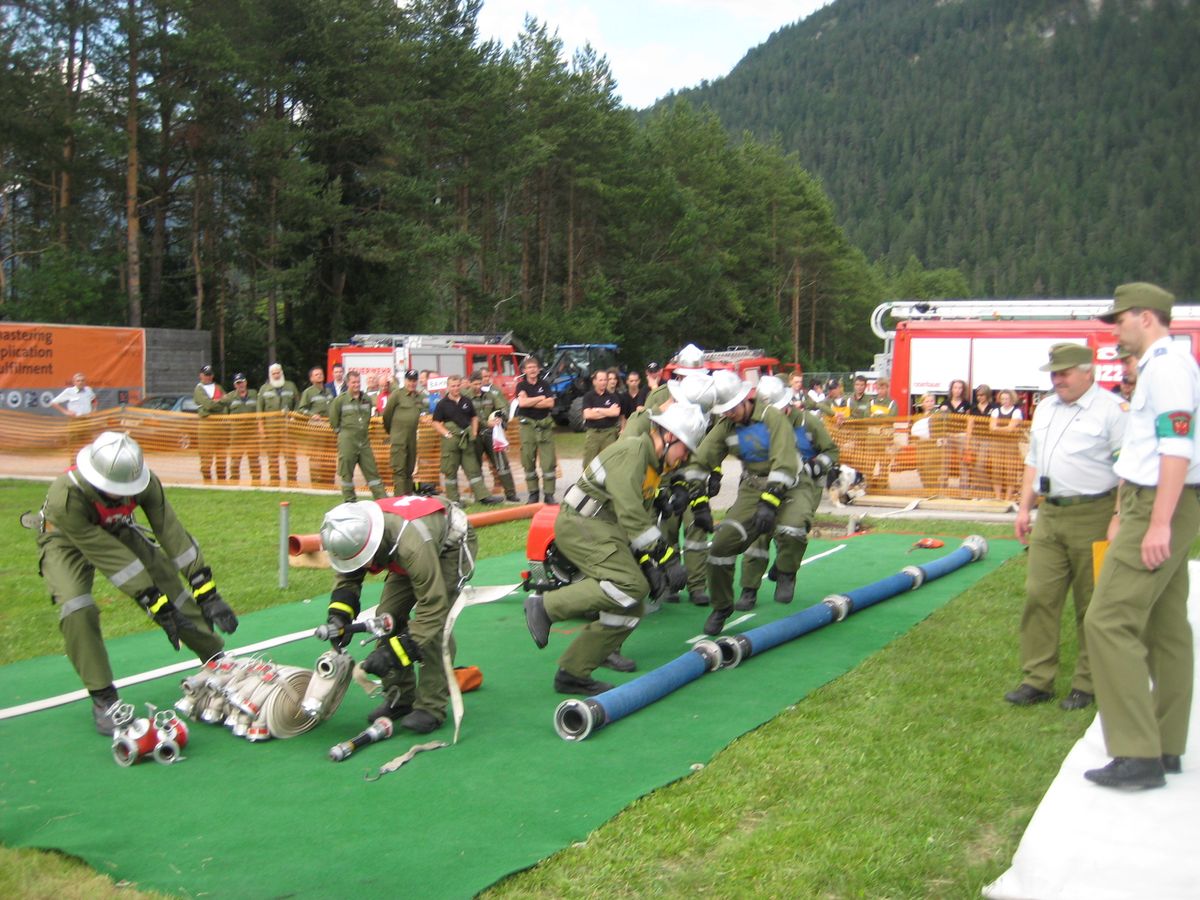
(391, 708)
(747, 600)
(566, 683)
(716, 621)
(785, 586)
(103, 702)
(535, 497)
(619, 663)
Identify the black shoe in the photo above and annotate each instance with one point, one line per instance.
(747, 600)
(619, 663)
(103, 703)
(387, 711)
(511, 496)
(1172, 763)
(490, 501)
(1131, 773)
(534, 497)
(566, 683)
(420, 721)
(550, 501)
(1027, 695)
(785, 587)
(537, 620)
(698, 598)
(1077, 699)
(716, 621)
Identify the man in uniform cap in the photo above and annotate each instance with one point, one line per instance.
(1074, 437)
(207, 397)
(401, 416)
(242, 434)
(653, 376)
(1136, 627)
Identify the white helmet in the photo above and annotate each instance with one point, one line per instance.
(731, 390)
(772, 390)
(113, 463)
(696, 389)
(690, 361)
(686, 421)
(351, 533)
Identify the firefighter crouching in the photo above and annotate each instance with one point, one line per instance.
(607, 528)
(87, 523)
(428, 551)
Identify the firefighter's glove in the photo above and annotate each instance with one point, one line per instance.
(396, 652)
(702, 514)
(763, 520)
(343, 609)
(817, 467)
(677, 499)
(217, 613)
(655, 576)
(714, 482)
(159, 607)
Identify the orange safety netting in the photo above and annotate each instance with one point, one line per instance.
(253, 449)
(940, 455)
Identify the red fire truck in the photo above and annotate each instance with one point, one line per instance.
(386, 355)
(1001, 343)
(748, 362)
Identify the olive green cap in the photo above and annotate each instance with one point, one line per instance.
(1123, 353)
(1067, 356)
(1138, 295)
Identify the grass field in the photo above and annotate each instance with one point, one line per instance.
(907, 777)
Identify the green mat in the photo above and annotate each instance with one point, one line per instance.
(278, 819)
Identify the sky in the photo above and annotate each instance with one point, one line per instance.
(652, 46)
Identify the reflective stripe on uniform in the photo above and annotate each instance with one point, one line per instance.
(791, 531)
(778, 476)
(733, 523)
(755, 553)
(612, 620)
(75, 604)
(131, 571)
(721, 560)
(421, 530)
(695, 545)
(596, 472)
(615, 593)
(650, 536)
(185, 557)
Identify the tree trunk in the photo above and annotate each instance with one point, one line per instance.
(796, 310)
(570, 298)
(464, 227)
(197, 263)
(133, 235)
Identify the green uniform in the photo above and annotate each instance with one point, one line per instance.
(537, 441)
(83, 533)
(281, 400)
(401, 415)
(458, 419)
(426, 569)
(318, 438)
(766, 445)
(606, 521)
(350, 419)
(242, 441)
(814, 441)
(210, 432)
(491, 400)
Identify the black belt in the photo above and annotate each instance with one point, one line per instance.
(1078, 498)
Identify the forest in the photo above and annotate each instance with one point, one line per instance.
(287, 173)
(1040, 147)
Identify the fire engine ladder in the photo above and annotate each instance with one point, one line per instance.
(980, 310)
(733, 354)
(426, 340)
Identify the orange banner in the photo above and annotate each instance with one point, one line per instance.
(38, 360)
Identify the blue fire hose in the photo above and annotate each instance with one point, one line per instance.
(574, 720)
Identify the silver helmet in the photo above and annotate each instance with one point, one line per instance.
(351, 533)
(773, 391)
(686, 421)
(731, 390)
(696, 389)
(690, 361)
(114, 463)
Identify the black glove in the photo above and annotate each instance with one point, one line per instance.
(341, 621)
(655, 576)
(212, 605)
(763, 520)
(164, 614)
(817, 466)
(714, 482)
(677, 500)
(674, 572)
(702, 515)
(396, 652)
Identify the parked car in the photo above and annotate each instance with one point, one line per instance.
(162, 422)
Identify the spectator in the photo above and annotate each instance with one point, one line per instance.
(79, 398)
(315, 403)
(635, 394)
(455, 420)
(976, 444)
(535, 402)
(1004, 456)
(401, 416)
(241, 440)
(278, 397)
(207, 396)
(653, 376)
(350, 419)
(835, 403)
(957, 402)
(601, 414)
(491, 409)
(929, 443)
(337, 387)
(811, 400)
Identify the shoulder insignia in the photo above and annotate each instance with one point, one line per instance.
(1176, 424)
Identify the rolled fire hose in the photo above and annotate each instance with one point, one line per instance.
(575, 720)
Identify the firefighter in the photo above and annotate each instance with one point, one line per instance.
(491, 409)
(606, 527)
(322, 450)
(535, 405)
(769, 499)
(350, 419)
(401, 416)
(87, 523)
(239, 444)
(818, 454)
(278, 396)
(428, 551)
(207, 396)
(455, 420)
